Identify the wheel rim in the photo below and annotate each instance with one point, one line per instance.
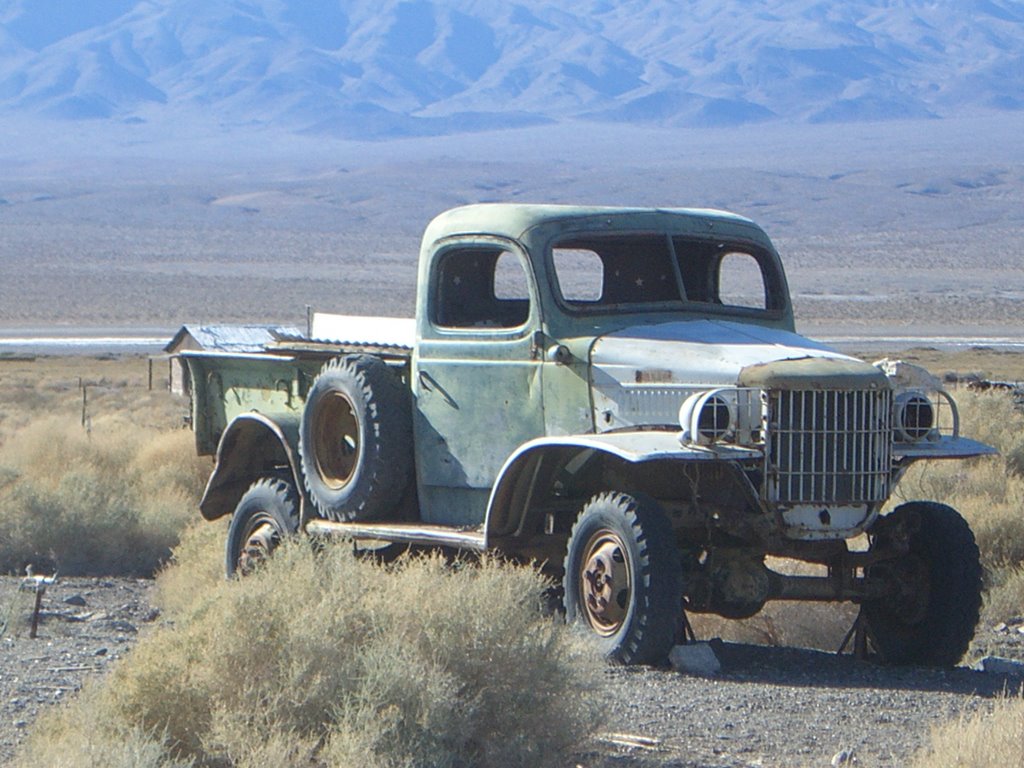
(336, 442)
(606, 587)
(261, 539)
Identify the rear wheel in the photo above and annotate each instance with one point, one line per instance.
(265, 514)
(931, 609)
(623, 579)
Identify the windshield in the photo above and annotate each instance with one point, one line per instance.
(648, 272)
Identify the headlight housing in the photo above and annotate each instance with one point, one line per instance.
(707, 417)
(915, 417)
(725, 415)
(922, 410)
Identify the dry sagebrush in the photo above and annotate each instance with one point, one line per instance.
(112, 500)
(327, 660)
(983, 740)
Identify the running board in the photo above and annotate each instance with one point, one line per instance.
(420, 534)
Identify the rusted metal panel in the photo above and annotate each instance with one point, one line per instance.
(814, 373)
(227, 385)
(245, 446)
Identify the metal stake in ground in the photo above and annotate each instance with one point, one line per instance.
(37, 584)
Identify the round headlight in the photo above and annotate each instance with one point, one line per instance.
(707, 417)
(714, 421)
(915, 417)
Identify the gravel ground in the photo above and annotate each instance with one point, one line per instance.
(790, 707)
(85, 625)
(767, 707)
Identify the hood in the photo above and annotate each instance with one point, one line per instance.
(642, 374)
(698, 352)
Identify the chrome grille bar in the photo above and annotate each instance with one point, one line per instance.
(828, 447)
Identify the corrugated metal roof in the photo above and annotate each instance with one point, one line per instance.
(232, 338)
(358, 329)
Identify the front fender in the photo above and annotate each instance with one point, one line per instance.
(946, 447)
(510, 500)
(253, 446)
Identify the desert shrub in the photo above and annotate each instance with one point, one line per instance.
(328, 660)
(1015, 460)
(96, 740)
(983, 740)
(1005, 597)
(112, 500)
(196, 568)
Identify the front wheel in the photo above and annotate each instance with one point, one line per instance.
(623, 579)
(931, 608)
(265, 514)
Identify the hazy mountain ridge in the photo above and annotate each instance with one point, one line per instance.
(403, 67)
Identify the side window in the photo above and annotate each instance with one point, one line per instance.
(741, 281)
(480, 288)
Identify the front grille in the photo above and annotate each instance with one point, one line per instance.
(828, 447)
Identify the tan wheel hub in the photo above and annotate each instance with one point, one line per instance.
(336, 441)
(606, 585)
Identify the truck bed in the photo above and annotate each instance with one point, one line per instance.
(275, 381)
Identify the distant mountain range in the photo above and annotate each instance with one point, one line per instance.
(383, 68)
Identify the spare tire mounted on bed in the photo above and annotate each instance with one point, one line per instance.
(355, 439)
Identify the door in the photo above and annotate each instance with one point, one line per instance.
(476, 376)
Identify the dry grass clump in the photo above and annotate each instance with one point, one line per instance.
(1005, 597)
(196, 568)
(112, 500)
(982, 740)
(328, 660)
(110, 497)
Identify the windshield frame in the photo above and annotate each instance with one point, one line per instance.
(776, 295)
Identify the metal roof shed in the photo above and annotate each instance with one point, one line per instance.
(220, 338)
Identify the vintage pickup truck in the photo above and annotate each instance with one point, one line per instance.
(616, 394)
